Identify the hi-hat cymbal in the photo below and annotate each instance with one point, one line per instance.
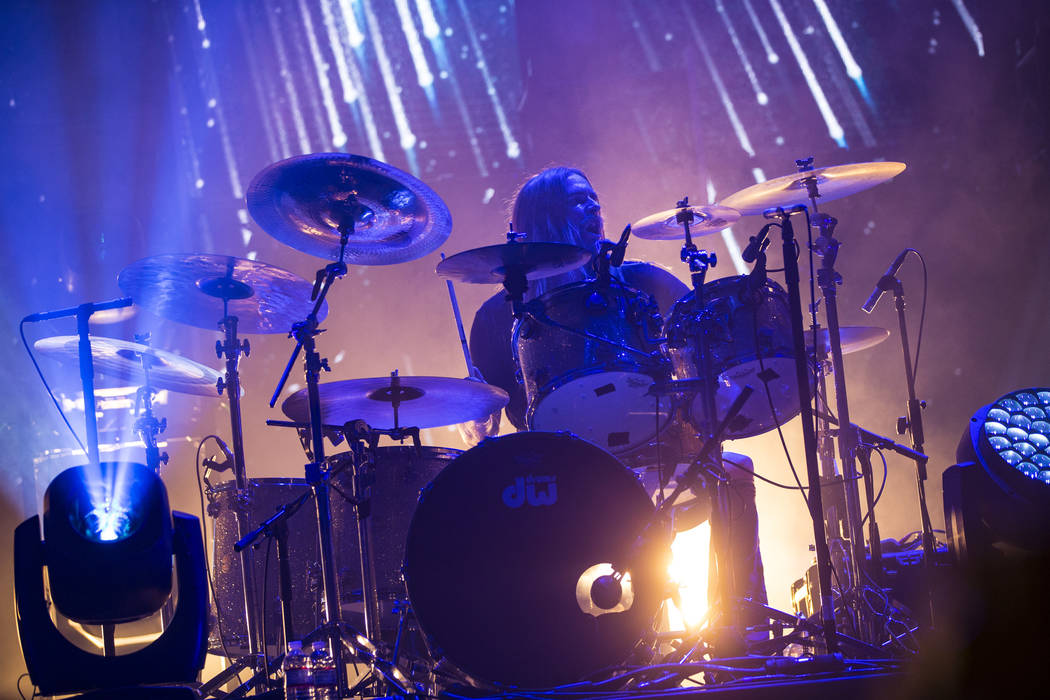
(304, 201)
(423, 402)
(199, 290)
(490, 264)
(664, 226)
(121, 361)
(833, 182)
(854, 338)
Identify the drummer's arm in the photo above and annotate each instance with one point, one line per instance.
(484, 354)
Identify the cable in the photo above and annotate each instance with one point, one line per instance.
(922, 314)
(885, 473)
(18, 685)
(54, 400)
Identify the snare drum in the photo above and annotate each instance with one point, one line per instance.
(748, 343)
(502, 549)
(596, 390)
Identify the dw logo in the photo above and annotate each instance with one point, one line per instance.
(534, 490)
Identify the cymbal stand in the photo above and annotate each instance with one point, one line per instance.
(147, 425)
(316, 474)
(816, 509)
(828, 280)
(699, 261)
(231, 348)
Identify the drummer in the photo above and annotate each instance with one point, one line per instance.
(559, 205)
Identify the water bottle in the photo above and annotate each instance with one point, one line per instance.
(325, 685)
(298, 676)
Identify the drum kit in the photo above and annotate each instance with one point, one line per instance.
(505, 550)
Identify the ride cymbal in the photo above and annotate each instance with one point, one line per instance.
(833, 182)
(391, 217)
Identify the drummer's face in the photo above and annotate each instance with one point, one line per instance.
(585, 213)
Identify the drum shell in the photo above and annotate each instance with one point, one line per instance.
(400, 472)
(492, 572)
(550, 358)
(745, 337)
(230, 635)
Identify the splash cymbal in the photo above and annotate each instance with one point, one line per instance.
(664, 225)
(199, 290)
(306, 201)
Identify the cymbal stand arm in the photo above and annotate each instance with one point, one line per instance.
(816, 509)
(147, 425)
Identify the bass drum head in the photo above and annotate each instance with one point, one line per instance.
(497, 548)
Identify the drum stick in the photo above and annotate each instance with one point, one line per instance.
(459, 326)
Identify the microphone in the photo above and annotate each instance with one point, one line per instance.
(90, 308)
(755, 245)
(227, 458)
(620, 249)
(882, 284)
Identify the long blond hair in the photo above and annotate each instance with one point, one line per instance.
(541, 210)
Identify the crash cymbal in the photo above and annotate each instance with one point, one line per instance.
(664, 226)
(303, 202)
(854, 338)
(193, 289)
(120, 361)
(833, 182)
(423, 402)
(489, 265)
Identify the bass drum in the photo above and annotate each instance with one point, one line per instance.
(597, 390)
(504, 545)
(748, 342)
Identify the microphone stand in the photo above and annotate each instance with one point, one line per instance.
(913, 423)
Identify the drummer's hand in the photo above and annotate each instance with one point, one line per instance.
(473, 432)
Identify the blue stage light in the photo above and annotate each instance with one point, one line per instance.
(1016, 430)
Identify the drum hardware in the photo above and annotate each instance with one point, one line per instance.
(828, 279)
(147, 425)
(791, 271)
(248, 296)
(667, 226)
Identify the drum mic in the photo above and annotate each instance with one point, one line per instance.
(227, 457)
(756, 244)
(620, 249)
(884, 282)
(606, 592)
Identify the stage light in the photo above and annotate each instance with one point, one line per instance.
(997, 497)
(108, 548)
(1012, 436)
(109, 542)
